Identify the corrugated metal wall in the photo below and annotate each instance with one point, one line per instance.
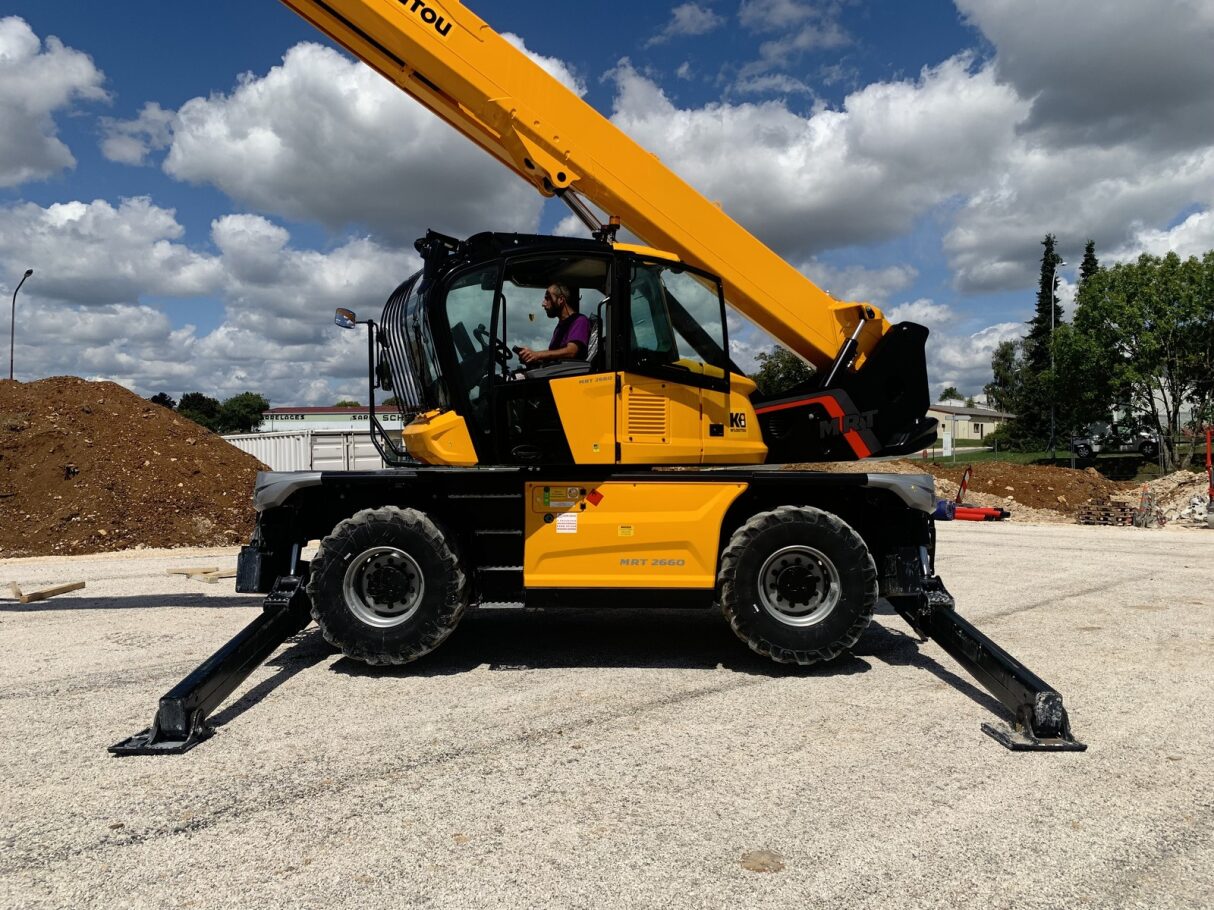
(311, 450)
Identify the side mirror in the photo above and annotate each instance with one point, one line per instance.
(345, 318)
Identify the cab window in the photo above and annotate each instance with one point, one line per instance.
(469, 317)
(677, 325)
(522, 321)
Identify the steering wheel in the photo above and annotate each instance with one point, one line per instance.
(501, 351)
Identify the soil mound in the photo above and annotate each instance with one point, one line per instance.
(1029, 492)
(89, 467)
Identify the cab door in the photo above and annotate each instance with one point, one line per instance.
(674, 380)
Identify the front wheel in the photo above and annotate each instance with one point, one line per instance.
(387, 586)
(1083, 450)
(1149, 450)
(797, 584)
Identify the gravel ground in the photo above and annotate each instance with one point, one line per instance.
(622, 759)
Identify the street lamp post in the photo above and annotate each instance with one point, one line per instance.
(12, 327)
(1053, 378)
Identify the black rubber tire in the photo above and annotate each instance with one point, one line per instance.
(444, 596)
(738, 580)
(1083, 451)
(1149, 450)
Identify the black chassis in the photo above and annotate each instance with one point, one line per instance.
(483, 508)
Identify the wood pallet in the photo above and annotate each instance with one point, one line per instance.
(1106, 513)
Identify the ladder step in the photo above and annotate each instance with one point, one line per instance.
(500, 569)
(498, 532)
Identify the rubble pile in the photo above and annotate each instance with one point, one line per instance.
(90, 467)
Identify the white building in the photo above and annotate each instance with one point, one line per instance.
(966, 422)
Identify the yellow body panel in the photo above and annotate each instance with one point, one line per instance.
(659, 422)
(586, 405)
(625, 535)
(447, 58)
(440, 438)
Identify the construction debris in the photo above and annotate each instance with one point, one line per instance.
(45, 593)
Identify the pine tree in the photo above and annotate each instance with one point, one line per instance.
(1048, 313)
(1090, 266)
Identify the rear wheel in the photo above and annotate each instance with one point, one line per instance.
(1083, 450)
(1149, 449)
(386, 586)
(797, 584)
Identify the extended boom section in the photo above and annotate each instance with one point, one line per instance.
(448, 59)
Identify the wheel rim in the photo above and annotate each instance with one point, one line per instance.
(799, 586)
(383, 587)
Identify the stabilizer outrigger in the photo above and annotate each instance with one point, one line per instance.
(181, 720)
(1041, 722)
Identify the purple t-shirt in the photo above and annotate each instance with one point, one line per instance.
(575, 328)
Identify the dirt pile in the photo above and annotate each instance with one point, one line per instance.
(1029, 492)
(1061, 490)
(89, 467)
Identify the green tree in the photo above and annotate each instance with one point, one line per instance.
(1151, 322)
(780, 370)
(1048, 313)
(347, 403)
(242, 413)
(163, 399)
(1090, 265)
(952, 393)
(1003, 391)
(201, 409)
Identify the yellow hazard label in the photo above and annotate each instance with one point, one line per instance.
(626, 531)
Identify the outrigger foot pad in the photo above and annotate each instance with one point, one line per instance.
(1041, 720)
(181, 720)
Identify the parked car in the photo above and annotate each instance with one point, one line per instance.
(1106, 437)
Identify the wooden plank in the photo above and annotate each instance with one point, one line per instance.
(45, 592)
(213, 577)
(202, 570)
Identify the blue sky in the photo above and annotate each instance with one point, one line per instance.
(931, 146)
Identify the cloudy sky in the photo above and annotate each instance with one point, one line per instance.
(198, 191)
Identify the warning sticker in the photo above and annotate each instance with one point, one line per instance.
(625, 530)
(567, 523)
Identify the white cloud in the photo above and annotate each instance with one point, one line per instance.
(835, 178)
(131, 141)
(802, 27)
(83, 311)
(1192, 237)
(93, 253)
(36, 81)
(771, 84)
(964, 361)
(321, 138)
(955, 359)
(1109, 195)
(923, 311)
(858, 283)
(688, 20)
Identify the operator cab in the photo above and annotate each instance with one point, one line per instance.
(654, 385)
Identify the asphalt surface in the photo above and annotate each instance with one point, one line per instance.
(622, 759)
